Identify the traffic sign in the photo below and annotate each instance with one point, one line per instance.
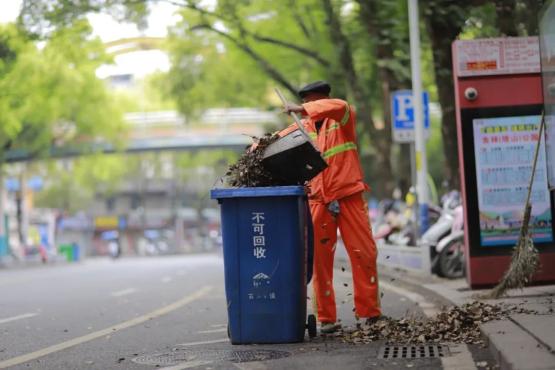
(402, 115)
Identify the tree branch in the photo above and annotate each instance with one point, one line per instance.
(263, 63)
(244, 32)
(297, 16)
(299, 49)
(343, 46)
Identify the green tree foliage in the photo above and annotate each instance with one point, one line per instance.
(233, 53)
(73, 185)
(50, 95)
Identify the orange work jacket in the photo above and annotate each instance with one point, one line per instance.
(336, 140)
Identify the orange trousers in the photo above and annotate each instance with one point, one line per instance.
(354, 225)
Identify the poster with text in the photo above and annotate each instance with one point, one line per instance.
(504, 149)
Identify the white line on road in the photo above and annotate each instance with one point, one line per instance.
(460, 359)
(98, 334)
(18, 317)
(187, 365)
(222, 330)
(121, 293)
(204, 342)
(427, 307)
(257, 365)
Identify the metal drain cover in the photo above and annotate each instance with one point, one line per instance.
(179, 356)
(417, 351)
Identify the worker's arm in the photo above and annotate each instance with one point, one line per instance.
(336, 109)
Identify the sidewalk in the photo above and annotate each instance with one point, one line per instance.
(524, 341)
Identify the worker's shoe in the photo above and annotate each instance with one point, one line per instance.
(329, 327)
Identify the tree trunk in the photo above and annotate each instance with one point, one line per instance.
(506, 20)
(377, 17)
(381, 139)
(443, 31)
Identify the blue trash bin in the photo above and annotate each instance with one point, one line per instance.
(267, 247)
(76, 252)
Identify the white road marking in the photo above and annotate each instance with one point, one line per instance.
(460, 359)
(166, 279)
(218, 326)
(101, 333)
(256, 365)
(18, 317)
(187, 365)
(222, 330)
(204, 342)
(427, 307)
(121, 293)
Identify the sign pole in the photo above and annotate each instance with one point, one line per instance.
(419, 140)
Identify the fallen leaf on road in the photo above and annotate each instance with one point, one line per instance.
(456, 324)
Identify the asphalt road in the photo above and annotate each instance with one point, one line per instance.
(166, 312)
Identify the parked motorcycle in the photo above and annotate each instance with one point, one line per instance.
(445, 239)
(450, 249)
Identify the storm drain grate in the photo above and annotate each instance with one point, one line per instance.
(417, 351)
(179, 356)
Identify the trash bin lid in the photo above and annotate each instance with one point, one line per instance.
(267, 191)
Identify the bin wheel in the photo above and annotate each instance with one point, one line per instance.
(228, 332)
(311, 326)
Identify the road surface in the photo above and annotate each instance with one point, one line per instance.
(166, 312)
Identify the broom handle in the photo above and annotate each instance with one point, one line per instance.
(542, 124)
(295, 117)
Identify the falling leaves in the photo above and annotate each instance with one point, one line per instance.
(457, 324)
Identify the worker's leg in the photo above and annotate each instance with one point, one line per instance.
(325, 238)
(354, 225)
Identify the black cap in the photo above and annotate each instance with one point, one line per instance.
(321, 87)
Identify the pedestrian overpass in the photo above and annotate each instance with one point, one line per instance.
(231, 128)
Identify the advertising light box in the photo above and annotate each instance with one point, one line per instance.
(504, 149)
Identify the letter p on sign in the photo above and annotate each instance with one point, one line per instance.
(402, 115)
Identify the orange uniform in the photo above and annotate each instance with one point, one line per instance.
(341, 181)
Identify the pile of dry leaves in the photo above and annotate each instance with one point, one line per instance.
(249, 171)
(458, 324)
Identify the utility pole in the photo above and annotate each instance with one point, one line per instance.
(419, 139)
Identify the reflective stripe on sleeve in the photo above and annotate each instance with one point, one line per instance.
(340, 149)
(334, 126)
(346, 115)
(313, 135)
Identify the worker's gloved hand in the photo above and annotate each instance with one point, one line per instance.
(292, 108)
(307, 188)
(333, 207)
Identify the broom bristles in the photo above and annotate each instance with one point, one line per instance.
(524, 262)
(525, 259)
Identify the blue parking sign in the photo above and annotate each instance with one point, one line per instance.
(402, 115)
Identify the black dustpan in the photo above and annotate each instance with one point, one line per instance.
(293, 158)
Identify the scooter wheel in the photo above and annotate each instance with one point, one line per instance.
(311, 326)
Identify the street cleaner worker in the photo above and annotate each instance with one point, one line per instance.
(336, 200)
